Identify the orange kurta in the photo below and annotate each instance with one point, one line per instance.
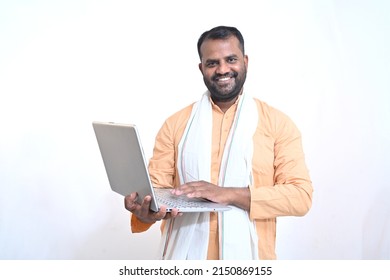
(281, 187)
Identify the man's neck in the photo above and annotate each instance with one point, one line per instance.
(225, 105)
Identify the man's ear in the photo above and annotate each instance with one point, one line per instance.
(200, 67)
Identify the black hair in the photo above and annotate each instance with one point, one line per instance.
(221, 32)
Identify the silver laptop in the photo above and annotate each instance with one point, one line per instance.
(127, 172)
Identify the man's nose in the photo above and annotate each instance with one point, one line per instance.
(223, 68)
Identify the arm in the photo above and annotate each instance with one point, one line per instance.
(142, 216)
(286, 189)
(239, 197)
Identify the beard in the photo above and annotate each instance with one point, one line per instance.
(225, 93)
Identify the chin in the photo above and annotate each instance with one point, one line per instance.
(224, 97)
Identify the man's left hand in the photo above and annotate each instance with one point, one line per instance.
(239, 197)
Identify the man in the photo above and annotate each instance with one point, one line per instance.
(229, 148)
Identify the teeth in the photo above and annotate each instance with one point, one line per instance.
(224, 79)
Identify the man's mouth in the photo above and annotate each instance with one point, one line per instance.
(223, 79)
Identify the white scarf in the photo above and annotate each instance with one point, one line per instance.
(187, 236)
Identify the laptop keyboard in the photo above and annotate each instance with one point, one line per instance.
(165, 197)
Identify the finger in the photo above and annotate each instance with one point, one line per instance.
(194, 189)
(185, 188)
(198, 193)
(174, 213)
(145, 206)
(177, 191)
(130, 202)
(161, 214)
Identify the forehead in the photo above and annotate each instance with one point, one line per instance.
(220, 48)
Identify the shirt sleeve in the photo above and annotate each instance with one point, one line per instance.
(162, 164)
(282, 186)
(137, 226)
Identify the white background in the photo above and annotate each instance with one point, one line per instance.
(64, 64)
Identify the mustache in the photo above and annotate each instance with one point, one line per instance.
(227, 75)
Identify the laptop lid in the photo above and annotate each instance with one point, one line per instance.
(123, 159)
(126, 167)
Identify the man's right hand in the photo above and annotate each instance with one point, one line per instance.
(142, 211)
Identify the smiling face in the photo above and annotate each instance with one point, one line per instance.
(224, 67)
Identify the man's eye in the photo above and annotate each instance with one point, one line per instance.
(211, 64)
(232, 60)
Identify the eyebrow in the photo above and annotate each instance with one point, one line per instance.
(226, 57)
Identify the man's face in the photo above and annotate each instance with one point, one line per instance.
(223, 67)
